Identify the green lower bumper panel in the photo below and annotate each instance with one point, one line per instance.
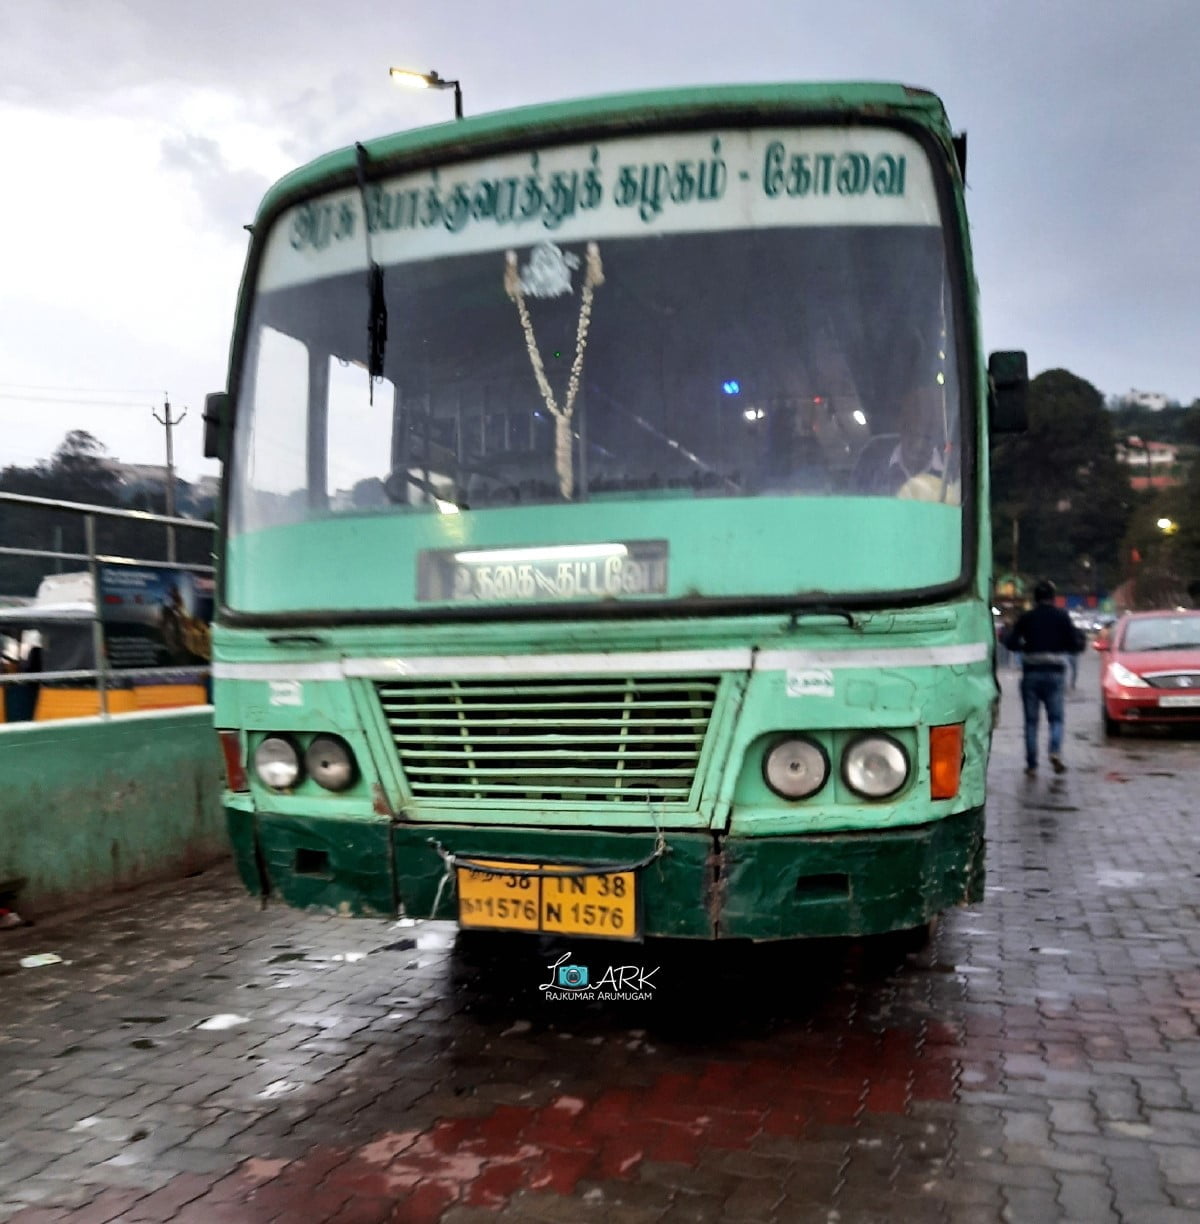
(339, 866)
(851, 883)
(695, 885)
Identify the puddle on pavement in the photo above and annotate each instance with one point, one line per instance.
(1119, 879)
(277, 1089)
(401, 945)
(144, 1043)
(285, 957)
(225, 1020)
(144, 1019)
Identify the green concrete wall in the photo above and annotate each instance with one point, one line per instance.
(90, 807)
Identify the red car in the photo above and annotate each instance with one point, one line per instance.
(1151, 672)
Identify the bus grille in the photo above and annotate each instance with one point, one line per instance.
(558, 740)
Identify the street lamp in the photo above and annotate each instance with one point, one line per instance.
(428, 80)
(1167, 526)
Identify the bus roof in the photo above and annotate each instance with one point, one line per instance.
(618, 113)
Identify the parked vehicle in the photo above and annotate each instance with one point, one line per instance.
(1083, 620)
(568, 584)
(54, 635)
(1152, 670)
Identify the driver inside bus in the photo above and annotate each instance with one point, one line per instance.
(917, 462)
(792, 458)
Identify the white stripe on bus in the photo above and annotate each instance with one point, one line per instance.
(627, 662)
(277, 671)
(888, 656)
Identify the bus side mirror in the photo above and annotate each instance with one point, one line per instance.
(960, 153)
(1008, 392)
(216, 425)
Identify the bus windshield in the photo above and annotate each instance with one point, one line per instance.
(762, 317)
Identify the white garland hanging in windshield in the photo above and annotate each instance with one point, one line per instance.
(546, 275)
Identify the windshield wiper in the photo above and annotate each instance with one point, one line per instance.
(394, 489)
(376, 302)
(673, 443)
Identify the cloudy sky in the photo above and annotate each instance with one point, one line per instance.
(137, 137)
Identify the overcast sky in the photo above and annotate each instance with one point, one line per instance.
(138, 136)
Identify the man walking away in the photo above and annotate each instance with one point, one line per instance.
(1046, 639)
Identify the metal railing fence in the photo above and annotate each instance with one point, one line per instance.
(101, 671)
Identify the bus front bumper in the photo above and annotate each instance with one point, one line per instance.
(700, 885)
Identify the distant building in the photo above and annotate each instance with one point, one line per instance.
(206, 488)
(137, 479)
(1150, 465)
(1155, 401)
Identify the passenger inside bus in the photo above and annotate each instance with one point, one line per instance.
(916, 462)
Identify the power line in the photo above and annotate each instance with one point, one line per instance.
(52, 399)
(84, 390)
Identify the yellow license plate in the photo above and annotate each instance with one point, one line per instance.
(556, 902)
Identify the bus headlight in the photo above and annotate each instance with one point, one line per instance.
(330, 763)
(796, 768)
(277, 762)
(875, 766)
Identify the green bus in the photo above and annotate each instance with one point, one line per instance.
(605, 538)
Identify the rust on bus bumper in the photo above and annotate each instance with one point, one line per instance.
(702, 885)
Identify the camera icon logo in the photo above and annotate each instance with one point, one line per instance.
(573, 977)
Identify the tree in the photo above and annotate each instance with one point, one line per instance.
(1164, 535)
(1061, 483)
(78, 471)
(1189, 431)
(1170, 424)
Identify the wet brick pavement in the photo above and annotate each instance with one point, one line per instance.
(198, 1061)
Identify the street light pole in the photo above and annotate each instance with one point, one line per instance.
(428, 80)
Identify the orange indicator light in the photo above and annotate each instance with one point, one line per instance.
(945, 760)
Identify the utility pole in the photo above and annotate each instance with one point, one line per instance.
(1016, 549)
(168, 422)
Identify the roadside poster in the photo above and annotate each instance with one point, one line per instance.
(155, 617)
